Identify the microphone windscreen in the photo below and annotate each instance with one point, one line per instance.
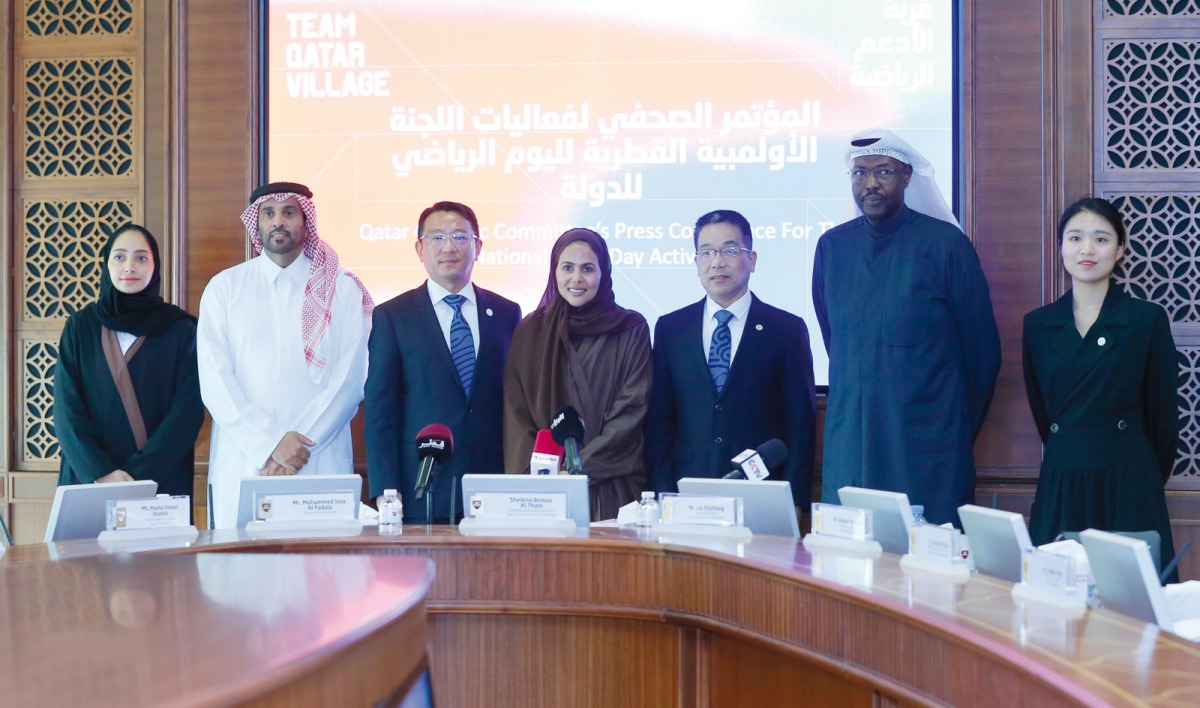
(545, 444)
(566, 423)
(435, 440)
(773, 452)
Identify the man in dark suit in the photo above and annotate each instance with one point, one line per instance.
(437, 356)
(730, 372)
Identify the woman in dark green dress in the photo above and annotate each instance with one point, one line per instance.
(1102, 376)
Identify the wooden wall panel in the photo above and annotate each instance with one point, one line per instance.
(221, 130)
(1005, 94)
(742, 674)
(221, 137)
(554, 660)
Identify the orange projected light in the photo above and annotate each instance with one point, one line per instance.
(629, 120)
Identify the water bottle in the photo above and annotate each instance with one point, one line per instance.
(918, 512)
(391, 512)
(647, 510)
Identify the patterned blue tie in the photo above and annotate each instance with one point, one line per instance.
(462, 345)
(719, 352)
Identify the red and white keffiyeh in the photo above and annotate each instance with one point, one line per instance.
(322, 277)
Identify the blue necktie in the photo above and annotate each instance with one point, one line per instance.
(720, 350)
(462, 345)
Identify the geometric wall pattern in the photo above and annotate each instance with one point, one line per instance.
(1161, 263)
(78, 117)
(1152, 8)
(46, 18)
(1152, 105)
(1187, 464)
(1147, 104)
(62, 242)
(40, 444)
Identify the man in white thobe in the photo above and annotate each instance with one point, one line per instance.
(282, 347)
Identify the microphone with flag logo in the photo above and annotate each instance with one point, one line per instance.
(547, 454)
(567, 429)
(435, 444)
(757, 464)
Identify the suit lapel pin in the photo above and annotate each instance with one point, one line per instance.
(758, 327)
(1101, 341)
(488, 311)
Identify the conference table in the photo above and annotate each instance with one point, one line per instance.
(617, 616)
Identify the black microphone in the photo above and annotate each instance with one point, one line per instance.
(435, 443)
(770, 454)
(567, 429)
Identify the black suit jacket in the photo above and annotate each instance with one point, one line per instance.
(412, 382)
(693, 432)
(1121, 382)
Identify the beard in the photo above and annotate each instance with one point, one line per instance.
(283, 247)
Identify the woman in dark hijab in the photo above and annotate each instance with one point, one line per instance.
(579, 348)
(126, 393)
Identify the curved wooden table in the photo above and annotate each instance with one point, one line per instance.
(211, 629)
(608, 617)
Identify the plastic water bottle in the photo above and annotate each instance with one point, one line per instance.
(391, 512)
(647, 511)
(918, 512)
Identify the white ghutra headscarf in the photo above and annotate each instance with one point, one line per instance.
(322, 277)
(922, 193)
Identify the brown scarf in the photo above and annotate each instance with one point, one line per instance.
(542, 363)
(118, 367)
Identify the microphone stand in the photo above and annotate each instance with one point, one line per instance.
(9, 538)
(429, 504)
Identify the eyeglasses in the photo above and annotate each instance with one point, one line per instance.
(707, 254)
(460, 238)
(884, 174)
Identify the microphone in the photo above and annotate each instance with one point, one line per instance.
(435, 443)
(567, 429)
(546, 454)
(757, 464)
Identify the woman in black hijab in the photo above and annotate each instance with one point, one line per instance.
(126, 393)
(579, 348)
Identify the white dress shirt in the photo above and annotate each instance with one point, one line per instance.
(445, 313)
(126, 340)
(737, 323)
(255, 381)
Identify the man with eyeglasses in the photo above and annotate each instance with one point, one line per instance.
(913, 347)
(730, 372)
(437, 356)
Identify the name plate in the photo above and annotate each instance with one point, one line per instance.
(1049, 571)
(157, 513)
(519, 505)
(306, 507)
(841, 521)
(702, 511)
(934, 542)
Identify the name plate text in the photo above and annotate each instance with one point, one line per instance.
(296, 507)
(705, 511)
(519, 505)
(934, 542)
(161, 512)
(841, 521)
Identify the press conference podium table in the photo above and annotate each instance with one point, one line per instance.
(610, 617)
(212, 629)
